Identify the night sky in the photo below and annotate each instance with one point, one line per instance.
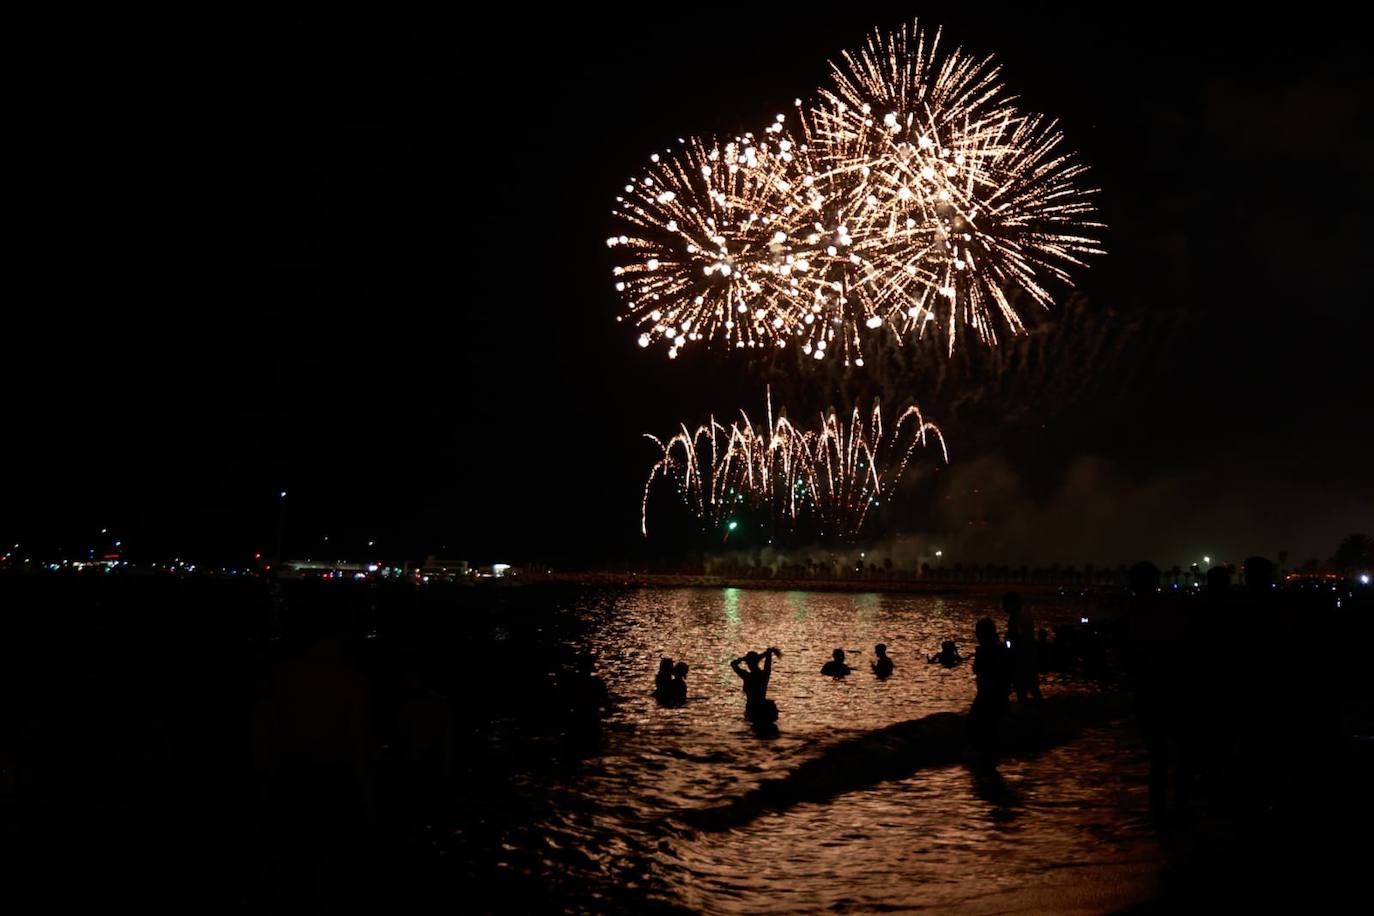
(363, 260)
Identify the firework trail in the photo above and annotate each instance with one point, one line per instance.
(912, 196)
(832, 475)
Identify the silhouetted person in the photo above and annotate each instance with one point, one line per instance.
(948, 655)
(757, 706)
(1025, 670)
(836, 666)
(664, 679)
(677, 688)
(1259, 575)
(993, 679)
(882, 665)
(1154, 638)
(1218, 580)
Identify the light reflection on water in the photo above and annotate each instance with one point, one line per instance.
(936, 838)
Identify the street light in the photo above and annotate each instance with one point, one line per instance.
(281, 525)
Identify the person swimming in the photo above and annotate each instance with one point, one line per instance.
(836, 666)
(757, 706)
(882, 665)
(948, 655)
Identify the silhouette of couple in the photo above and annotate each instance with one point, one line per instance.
(670, 684)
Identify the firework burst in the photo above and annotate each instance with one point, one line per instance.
(834, 474)
(704, 240)
(912, 196)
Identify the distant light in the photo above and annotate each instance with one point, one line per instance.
(282, 494)
(939, 553)
(1364, 578)
(732, 525)
(1207, 560)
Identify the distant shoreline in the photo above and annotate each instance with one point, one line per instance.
(896, 586)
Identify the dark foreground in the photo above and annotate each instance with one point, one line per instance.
(139, 767)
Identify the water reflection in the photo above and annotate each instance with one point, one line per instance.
(941, 836)
(732, 605)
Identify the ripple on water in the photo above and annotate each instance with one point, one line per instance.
(939, 837)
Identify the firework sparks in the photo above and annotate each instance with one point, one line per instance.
(833, 474)
(913, 195)
(705, 238)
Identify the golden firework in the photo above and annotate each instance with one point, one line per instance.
(832, 475)
(912, 195)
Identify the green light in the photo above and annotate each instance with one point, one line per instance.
(732, 525)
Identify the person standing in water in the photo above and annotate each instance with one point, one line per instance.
(663, 681)
(757, 706)
(992, 675)
(1020, 640)
(882, 666)
(948, 655)
(677, 688)
(836, 666)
